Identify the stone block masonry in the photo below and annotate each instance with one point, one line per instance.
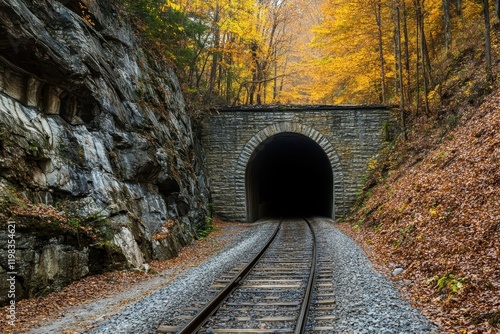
(349, 135)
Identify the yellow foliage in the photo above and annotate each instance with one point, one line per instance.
(171, 4)
(432, 212)
(349, 67)
(318, 51)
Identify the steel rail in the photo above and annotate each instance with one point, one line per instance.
(202, 317)
(306, 302)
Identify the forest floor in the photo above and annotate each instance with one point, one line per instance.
(432, 209)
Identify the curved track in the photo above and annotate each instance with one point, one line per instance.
(271, 294)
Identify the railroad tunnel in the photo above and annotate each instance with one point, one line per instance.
(289, 174)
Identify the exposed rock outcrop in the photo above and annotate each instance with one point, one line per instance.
(87, 117)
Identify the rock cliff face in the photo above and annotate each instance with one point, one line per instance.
(90, 120)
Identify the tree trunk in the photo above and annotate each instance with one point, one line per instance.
(396, 65)
(424, 56)
(406, 54)
(216, 53)
(447, 25)
(400, 70)
(459, 7)
(229, 81)
(282, 79)
(381, 51)
(255, 71)
(417, 62)
(487, 31)
(275, 81)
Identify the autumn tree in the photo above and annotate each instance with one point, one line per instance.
(356, 45)
(316, 51)
(392, 51)
(269, 49)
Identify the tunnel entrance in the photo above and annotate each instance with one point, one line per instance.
(289, 174)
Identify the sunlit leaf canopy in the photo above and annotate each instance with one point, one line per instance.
(319, 51)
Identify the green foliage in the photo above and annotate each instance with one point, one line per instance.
(410, 228)
(341, 219)
(209, 228)
(359, 223)
(448, 283)
(388, 131)
(34, 148)
(404, 235)
(376, 228)
(205, 232)
(178, 34)
(93, 225)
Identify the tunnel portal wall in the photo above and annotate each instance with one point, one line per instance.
(349, 136)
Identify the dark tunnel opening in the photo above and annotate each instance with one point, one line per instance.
(289, 175)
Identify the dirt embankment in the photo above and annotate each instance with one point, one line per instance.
(437, 216)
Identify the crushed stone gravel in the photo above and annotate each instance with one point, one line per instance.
(146, 315)
(366, 301)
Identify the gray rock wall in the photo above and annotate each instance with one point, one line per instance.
(88, 117)
(350, 136)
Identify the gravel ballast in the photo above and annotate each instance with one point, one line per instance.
(365, 301)
(145, 316)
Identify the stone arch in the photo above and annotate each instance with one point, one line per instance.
(291, 127)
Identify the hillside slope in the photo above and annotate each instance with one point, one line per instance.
(438, 218)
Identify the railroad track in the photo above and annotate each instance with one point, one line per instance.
(271, 294)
